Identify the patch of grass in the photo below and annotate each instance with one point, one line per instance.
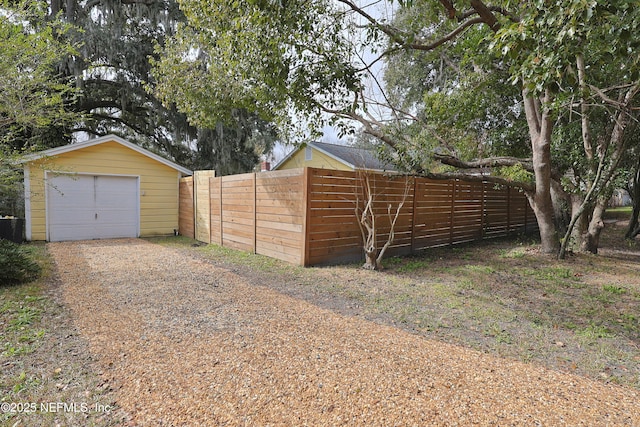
(481, 269)
(615, 290)
(221, 253)
(620, 212)
(553, 273)
(25, 382)
(501, 336)
(42, 359)
(413, 265)
(392, 261)
(462, 252)
(175, 241)
(247, 258)
(515, 253)
(21, 310)
(592, 332)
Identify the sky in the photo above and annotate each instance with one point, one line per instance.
(380, 9)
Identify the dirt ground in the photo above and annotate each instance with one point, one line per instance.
(179, 339)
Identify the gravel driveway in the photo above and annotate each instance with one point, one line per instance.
(184, 342)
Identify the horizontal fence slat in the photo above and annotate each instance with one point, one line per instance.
(266, 213)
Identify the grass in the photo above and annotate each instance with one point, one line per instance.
(21, 308)
(502, 297)
(23, 332)
(42, 359)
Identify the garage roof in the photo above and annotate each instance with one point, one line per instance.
(108, 138)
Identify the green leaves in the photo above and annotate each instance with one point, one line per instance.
(542, 47)
(31, 91)
(272, 57)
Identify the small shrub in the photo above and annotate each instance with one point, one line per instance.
(16, 264)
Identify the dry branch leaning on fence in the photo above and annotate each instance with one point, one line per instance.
(367, 215)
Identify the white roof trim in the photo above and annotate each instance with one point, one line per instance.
(96, 141)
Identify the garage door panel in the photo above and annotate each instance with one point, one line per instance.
(92, 207)
(116, 192)
(62, 188)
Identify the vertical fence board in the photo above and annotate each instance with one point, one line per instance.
(238, 211)
(280, 211)
(215, 210)
(202, 205)
(185, 208)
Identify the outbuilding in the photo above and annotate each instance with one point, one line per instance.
(100, 188)
(323, 155)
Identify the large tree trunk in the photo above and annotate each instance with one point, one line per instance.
(540, 124)
(562, 205)
(591, 239)
(634, 192)
(580, 227)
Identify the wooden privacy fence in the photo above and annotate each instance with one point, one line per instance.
(307, 216)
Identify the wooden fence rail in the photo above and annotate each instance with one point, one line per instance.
(307, 216)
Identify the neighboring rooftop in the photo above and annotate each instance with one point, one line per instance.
(354, 157)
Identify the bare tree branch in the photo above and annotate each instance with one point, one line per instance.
(491, 162)
(485, 15)
(453, 34)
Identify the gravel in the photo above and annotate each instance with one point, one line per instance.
(183, 342)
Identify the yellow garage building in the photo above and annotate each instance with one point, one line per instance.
(101, 188)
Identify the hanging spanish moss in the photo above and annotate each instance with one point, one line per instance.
(116, 42)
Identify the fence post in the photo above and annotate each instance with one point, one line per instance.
(453, 201)
(210, 210)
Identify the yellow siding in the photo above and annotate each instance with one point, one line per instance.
(318, 160)
(158, 184)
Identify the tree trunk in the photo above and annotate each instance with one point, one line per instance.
(634, 192)
(591, 239)
(371, 261)
(634, 227)
(543, 211)
(540, 124)
(55, 8)
(562, 207)
(580, 227)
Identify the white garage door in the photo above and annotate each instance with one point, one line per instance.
(81, 207)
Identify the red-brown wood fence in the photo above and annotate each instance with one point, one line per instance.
(307, 216)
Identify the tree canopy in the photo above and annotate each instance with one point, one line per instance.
(517, 90)
(113, 88)
(32, 92)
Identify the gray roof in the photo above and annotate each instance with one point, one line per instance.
(357, 158)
